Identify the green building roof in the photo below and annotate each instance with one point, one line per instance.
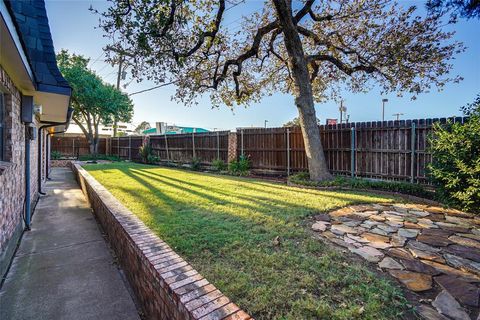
(182, 130)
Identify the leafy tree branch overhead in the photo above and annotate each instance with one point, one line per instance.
(94, 102)
(310, 49)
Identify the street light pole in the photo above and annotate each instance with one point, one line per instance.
(398, 115)
(383, 108)
(342, 110)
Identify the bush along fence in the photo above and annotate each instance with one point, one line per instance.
(389, 150)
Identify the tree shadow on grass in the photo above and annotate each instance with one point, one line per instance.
(297, 278)
(268, 201)
(255, 203)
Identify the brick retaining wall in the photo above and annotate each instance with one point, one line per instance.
(60, 163)
(166, 286)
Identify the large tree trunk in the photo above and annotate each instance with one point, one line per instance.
(95, 137)
(92, 147)
(303, 93)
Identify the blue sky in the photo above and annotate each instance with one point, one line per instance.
(73, 27)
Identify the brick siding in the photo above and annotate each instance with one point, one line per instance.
(60, 163)
(166, 286)
(12, 171)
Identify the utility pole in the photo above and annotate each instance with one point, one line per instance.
(398, 115)
(119, 77)
(383, 108)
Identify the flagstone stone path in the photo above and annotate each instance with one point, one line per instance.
(434, 252)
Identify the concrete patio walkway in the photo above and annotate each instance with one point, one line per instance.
(63, 268)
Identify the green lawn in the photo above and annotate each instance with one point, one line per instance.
(226, 226)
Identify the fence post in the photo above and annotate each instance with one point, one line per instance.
(73, 147)
(118, 147)
(288, 151)
(232, 146)
(130, 148)
(412, 163)
(352, 151)
(193, 143)
(241, 142)
(166, 146)
(218, 145)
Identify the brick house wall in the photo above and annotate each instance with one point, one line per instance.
(12, 172)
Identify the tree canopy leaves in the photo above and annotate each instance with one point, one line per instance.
(465, 8)
(455, 166)
(295, 122)
(349, 45)
(94, 101)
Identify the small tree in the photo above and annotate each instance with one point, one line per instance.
(295, 122)
(455, 167)
(94, 102)
(310, 49)
(142, 127)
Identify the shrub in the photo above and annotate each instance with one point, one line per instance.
(239, 167)
(151, 158)
(55, 155)
(363, 184)
(145, 151)
(195, 164)
(98, 157)
(455, 167)
(219, 165)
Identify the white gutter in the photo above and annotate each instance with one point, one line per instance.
(16, 39)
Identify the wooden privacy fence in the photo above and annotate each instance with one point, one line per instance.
(75, 146)
(181, 148)
(391, 150)
(126, 148)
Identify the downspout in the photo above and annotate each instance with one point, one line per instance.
(28, 210)
(27, 117)
(39, 145)
(47, 167)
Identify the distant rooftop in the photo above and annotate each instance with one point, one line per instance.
(176, 130)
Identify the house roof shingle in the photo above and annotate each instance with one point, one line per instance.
(30, 18)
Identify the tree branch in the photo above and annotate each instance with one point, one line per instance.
(253, 51)
(341, 65)
(205, 34)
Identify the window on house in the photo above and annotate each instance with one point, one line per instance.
(2, 127)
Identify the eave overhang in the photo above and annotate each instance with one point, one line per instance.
(27, 55)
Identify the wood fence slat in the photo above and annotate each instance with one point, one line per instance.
(382, 149)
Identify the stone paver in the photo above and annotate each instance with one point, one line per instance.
(63, 268)
(432, 251)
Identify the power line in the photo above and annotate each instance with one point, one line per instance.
(105, 65)
(153, 88)
(234, 5)
(98, 58)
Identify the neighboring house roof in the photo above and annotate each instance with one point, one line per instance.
(150, 131)
(181, 130)
(30, 18)
(190, 130)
